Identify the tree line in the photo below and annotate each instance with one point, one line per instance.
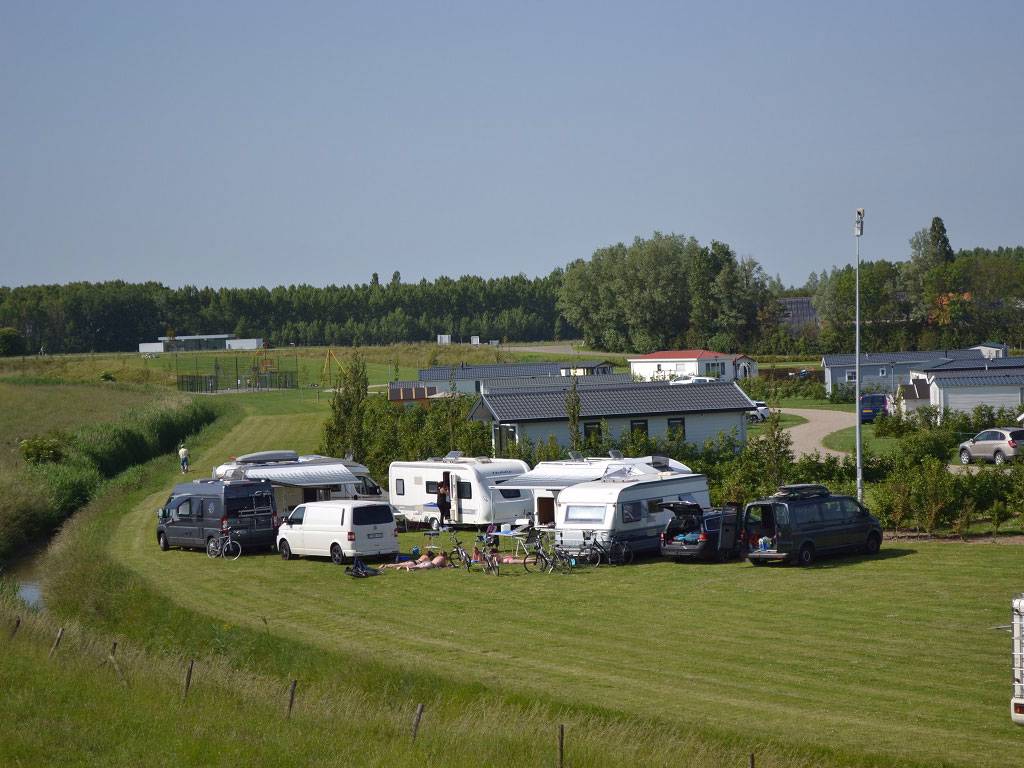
(656, 293)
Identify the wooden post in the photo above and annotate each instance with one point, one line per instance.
(188, 679)
(113, 649)
(561, 745)
(416, 721)
(291, 697)
(17, 623)
(53, 648)
(751, 764)
(117, 668)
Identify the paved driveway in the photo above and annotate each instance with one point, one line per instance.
(820, 422)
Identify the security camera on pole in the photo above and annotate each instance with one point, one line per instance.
(858, 230)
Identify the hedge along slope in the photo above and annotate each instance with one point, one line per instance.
(37, 499)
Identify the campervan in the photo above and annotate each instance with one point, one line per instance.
(549, 477)
(298, 479)
(624, 506)
(474, 483)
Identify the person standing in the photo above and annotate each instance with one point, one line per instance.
(183, 458)
(444, 501)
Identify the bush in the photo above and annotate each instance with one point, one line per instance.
(936, 443)
(44, 449)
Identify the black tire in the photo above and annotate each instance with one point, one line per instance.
(531, 563)
(232, 550)
(874, 543)
(759, 563)
(965, 457)
(591, 556)
(806, 555)
(161, 541)
(337, 556)
(285, 550)
(621, 553)
(999, 457)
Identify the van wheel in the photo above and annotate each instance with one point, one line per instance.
(873, 545)
(806, 556)
(337, 556)
(286, 551)
(161, 540)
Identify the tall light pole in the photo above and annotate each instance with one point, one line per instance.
(858, 230)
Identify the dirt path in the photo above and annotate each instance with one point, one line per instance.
(820, 422)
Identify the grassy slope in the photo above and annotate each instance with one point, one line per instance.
(883, 661)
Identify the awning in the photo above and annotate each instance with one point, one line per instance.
(304, 474)
(556, 475)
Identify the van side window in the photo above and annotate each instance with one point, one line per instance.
(832, 511)
(368, 488)
(806, 514)
(432, 486)
(185, 510)
(465, 489)
(400, 487)
(297, 514)
(852, 509)
(197, 507)
(632, 511)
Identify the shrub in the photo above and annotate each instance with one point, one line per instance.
(68, 486)
(44, 449)
(935, 443)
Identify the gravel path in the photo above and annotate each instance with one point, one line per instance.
(820, 422)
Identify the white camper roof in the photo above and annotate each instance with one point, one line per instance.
(301, 471)
(610, 489)
(556, 475)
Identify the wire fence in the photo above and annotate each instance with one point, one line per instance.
(240, 372)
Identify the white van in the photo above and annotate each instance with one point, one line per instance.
(412, 487)
(340, 530)
(624, 507)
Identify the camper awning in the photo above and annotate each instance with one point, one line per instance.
(306, 474)
(554, 476)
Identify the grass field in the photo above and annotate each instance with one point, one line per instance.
(805, 402)
(845, 440)
(883, 661)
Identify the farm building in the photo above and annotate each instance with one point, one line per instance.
(699, 411)
(673, 364)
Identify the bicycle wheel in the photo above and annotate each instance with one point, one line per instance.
(532, 563)
(621, 553)
(213, 547)
(492, 565)
(590, 556)
(232, 549)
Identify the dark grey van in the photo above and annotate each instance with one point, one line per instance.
(198, 511)
(801, 522)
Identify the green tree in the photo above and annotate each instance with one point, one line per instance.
(572, 410)
(343, 430)
(11, 342)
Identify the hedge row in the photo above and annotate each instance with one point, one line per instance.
(64, 471)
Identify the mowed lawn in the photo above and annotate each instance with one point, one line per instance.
(845, 440)
(888, 660)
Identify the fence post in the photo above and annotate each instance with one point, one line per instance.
(751, 764)
(17, 623)
(188, 679)
(291, 697)
(416, 721)
(561, 745)
(53, 648)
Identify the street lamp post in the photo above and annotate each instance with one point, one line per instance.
(858, 230)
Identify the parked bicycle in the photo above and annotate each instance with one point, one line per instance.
(488, 558)
(614, 552)
(224, 546)
(458, 556)
(545, 559)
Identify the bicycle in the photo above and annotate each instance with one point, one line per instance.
(224, 546)
(488, 559)
(459, 557)
(615, 552)
(543, 560)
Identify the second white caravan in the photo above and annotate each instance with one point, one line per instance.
(412, 487)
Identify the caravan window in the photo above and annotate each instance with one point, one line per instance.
(465, 489)
(400, 487)
(432, 487)
(632, 511)
(580, 513)
(510, 493)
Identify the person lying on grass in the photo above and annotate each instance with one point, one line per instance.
(506, 559)
(421, 563)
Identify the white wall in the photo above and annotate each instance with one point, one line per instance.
(699, 427)
(966, 398)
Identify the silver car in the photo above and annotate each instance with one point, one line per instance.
(999, 445)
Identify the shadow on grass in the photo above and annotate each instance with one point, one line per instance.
(885, 553)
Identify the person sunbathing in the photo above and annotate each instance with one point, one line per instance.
(423, 562)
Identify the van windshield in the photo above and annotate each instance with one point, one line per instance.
(374, 514)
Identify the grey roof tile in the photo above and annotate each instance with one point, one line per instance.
(875, 358)
(556, 382)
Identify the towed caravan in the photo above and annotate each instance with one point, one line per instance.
(548, 478)
(477, 497)
(297, 479)
(625, 506)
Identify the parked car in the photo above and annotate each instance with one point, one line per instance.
(801, 522)
(695, 533)
(999, 445)
(341, 530)
(759, 413)
(197, 512)
(872, 406)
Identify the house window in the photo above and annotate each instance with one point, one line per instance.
(677, 428)
(883, 372)
(400, 487)
(591, 431)
(714, 369)
(638, 425)
(851, 376)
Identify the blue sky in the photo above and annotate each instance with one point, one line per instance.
(252, 143)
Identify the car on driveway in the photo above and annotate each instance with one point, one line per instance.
(998, 445)
(759, 413)
(872, 406)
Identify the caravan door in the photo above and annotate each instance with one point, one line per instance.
(453, 488)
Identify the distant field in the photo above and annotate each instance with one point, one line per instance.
(26, 411)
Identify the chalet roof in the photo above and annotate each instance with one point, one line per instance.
(974, 364)
(555, 382)
(982, 379)
(632, 399)
(679, 354)
(504, 370)
(833, 361)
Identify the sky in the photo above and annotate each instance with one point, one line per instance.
(249, 143)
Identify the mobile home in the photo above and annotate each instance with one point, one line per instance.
(625, 506)
(475, 500)
(299, 479)
(549, 477)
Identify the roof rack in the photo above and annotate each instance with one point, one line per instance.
(801, 491)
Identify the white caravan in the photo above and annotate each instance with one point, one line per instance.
(549, 477)
(625, 506)
(340, 530)
(297, 479)
(412, 487)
